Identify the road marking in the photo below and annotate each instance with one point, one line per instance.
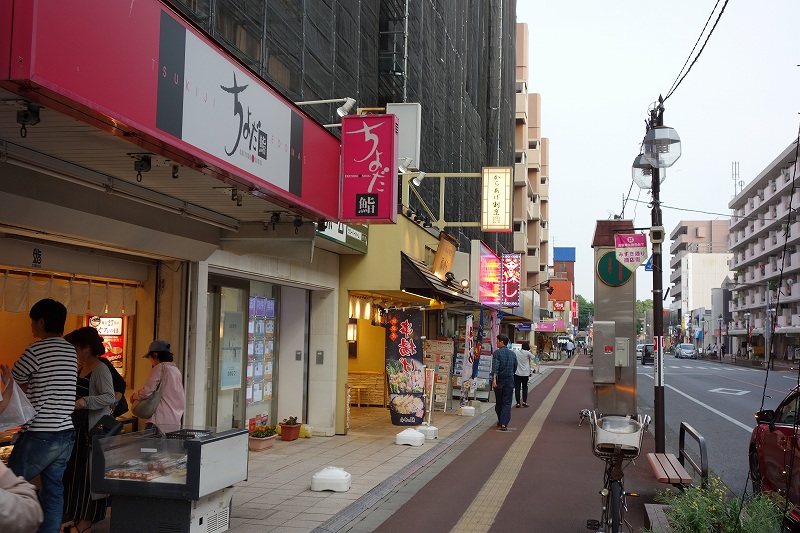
(481, 513)
(735, 392)
(747, 428)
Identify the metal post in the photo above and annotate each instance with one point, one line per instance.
(658, 301)
(767, 322)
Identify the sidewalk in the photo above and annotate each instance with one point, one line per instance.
(549, 473)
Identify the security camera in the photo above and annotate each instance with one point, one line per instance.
(657, 234)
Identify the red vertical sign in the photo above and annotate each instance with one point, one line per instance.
(369, 169)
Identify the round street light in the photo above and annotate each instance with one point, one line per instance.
(642, 173)
(662, 146)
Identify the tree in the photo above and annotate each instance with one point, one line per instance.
(641, 307)
(585, 312)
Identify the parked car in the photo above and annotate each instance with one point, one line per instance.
(685, 351)
(639, 352)
(648, 354)
(768, 457)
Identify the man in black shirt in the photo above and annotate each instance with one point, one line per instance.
(504, 365)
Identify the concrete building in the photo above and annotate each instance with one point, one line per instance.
(531, 183)
(765, 242)
(185, 185)
(699, 262)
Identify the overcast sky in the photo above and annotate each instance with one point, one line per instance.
(600, 65)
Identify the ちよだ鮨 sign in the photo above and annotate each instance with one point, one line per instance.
(369, 169)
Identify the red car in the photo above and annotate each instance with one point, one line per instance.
(775, 451)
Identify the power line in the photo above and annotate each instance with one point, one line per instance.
(676, 85)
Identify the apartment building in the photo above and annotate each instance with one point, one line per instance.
(531, 182)
(765, 243)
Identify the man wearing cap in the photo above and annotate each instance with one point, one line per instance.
(167, 416)
(504, 366)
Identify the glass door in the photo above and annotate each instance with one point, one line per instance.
(226, 342)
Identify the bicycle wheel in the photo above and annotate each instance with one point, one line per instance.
(616, 506)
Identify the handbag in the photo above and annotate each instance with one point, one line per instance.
(107, 426)
(18, 409)
(145, 407)
(120, 408)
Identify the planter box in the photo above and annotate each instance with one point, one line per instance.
(290, 432)
(257, 444)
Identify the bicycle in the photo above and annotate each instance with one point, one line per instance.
(617, 440)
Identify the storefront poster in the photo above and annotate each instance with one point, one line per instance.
(248, 393)
(258, 393)
(258, 350)
(258, 372)
(269, 328)
(231, 357)
(259, 328)
(269, 308)
(268, 347)
(249, 371)
(112, 331)
(267, 390)
(260, 306)
(404, 367)
(267, 369)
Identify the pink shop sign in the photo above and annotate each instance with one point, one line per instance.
(369, 169)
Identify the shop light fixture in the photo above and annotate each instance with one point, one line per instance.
(352, 330)
(343, 110)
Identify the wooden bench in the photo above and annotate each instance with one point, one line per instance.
(668, 469)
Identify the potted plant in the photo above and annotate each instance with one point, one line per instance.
(696, 509)
(290, 428)
(261, 438)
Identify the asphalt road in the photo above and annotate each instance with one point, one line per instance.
(718, 401)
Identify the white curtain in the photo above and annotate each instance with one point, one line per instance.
(19, 291)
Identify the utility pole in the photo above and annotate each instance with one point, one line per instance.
(656, 120)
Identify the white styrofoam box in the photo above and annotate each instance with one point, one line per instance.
(410, 436)
(331, 478)
(466, 411)
(430, 432)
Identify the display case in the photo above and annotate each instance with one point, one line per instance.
(186, 464)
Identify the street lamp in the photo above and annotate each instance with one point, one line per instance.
(661, 147)
(721, 338)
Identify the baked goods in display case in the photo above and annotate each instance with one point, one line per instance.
(184, 464)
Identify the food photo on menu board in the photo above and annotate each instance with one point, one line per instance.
(111, 329)
(404, 367)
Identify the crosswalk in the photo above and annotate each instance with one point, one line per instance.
(730, 368)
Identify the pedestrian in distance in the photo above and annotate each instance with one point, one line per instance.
(524, 361)
(504, 366)
(47, 371)
(570, 347)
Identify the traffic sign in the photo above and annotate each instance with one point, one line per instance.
(649, 265)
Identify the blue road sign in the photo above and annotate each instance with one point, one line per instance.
(648, 267)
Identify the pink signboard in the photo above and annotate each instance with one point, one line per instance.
(137, 70)
(369, 169)
(556, 325)
(489, 277)
(512, 272)
(631, 249)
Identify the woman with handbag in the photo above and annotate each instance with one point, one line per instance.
(161, 401)
(94, 399)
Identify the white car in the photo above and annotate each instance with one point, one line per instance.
(685, 351)
(639, 352)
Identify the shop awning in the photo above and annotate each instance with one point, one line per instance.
(417, 277)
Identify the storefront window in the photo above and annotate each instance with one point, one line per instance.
(261, 367)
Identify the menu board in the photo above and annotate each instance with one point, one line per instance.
(481, 386)
(438, 355)
(261, 328)
(112, 329)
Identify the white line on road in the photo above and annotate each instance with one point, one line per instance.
(706, 406)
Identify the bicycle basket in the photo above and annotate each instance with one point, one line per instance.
(610, 431)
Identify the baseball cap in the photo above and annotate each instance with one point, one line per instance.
(157, 346)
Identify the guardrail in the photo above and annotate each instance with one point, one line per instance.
(684, 458)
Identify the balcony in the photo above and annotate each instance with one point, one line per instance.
(532, 264)
(544, 186)
(520, 174)
(520, 242)
(535, 158)
(522, 108)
